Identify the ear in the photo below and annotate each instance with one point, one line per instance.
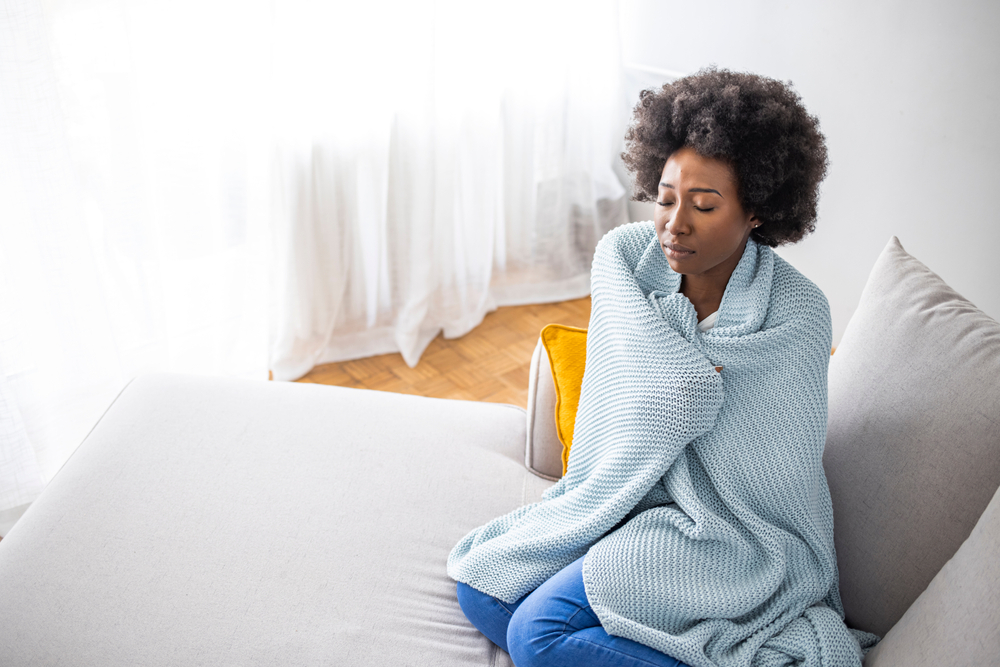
(753, 221)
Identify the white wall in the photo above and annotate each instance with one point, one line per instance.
(908, 96)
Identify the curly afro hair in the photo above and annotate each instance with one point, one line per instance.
(755, 124)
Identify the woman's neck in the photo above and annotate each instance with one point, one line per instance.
(705, 296)
(705, 290)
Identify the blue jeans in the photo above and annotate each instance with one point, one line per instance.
(554, 626)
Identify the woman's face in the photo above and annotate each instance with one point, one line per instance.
(701, 225)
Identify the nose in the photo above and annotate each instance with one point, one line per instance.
(678, 222)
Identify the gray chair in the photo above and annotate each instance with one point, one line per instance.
(225, 522)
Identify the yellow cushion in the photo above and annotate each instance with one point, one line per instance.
(567, 350)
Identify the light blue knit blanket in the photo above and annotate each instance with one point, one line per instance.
(698, 497)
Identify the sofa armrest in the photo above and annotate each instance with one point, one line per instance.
(956, 620)
(543, 450)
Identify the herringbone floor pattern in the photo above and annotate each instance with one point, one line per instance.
(490, 363)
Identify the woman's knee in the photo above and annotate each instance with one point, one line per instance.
(531, 638)
(541, 627)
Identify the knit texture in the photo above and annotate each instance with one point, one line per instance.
(698, 497)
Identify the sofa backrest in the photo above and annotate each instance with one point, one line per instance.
(913, 446)
(543, 450)
(956, 620)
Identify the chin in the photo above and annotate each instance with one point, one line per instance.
(678, 267)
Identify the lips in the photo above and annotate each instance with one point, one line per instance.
(677, 251)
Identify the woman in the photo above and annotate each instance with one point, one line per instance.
(693, 525)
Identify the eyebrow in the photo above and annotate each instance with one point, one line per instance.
(667, 185)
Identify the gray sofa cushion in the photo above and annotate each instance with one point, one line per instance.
(224, 522)
(913, 451)
(956, 621)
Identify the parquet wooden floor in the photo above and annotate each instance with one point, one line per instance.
(490, 363)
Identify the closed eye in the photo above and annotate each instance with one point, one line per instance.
(697, 208)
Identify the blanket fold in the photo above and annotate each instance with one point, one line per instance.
(699, 498)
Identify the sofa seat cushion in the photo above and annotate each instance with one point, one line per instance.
(913, 448)
(226, 522)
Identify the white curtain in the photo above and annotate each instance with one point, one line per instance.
(131, 239)
(448, 157)
(228, 188)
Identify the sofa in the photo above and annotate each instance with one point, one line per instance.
(209, 521)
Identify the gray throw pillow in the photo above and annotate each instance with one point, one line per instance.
(913, 448)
